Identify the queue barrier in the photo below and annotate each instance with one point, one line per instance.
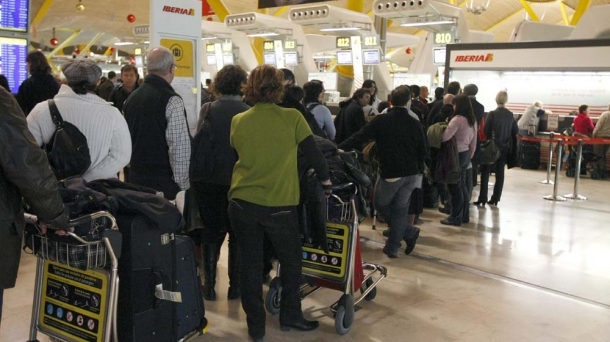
(565, 140)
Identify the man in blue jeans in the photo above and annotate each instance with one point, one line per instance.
(402, 152)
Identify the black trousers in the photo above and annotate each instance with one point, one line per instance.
(499, 167)
(250, 223)
(213, 206)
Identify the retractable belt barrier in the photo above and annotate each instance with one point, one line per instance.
(560, 141)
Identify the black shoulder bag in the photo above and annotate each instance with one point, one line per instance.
(67, 150)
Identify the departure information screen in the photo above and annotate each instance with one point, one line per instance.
(13, 52)
(14, 15)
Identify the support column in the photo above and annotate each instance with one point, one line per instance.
(64, 44)
(90, 44)
(583, 6)
(529, 10)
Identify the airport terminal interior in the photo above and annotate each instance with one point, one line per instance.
(532, 267)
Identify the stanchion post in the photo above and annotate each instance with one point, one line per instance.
(554, 196)
(550, 162)
(575, 195)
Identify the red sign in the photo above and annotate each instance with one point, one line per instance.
(206, 9)
(475, 58)
(179, 10)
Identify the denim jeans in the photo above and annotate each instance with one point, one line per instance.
(392, 202)
(460, 202)
(251, 222)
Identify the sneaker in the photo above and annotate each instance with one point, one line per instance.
(411, 242)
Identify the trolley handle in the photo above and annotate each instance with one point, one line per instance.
(33, 219)
(338, 187)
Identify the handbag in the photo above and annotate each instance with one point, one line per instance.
(490, 152)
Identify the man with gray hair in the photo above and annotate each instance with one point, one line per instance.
(157, 122)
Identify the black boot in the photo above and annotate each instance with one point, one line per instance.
(234, 272)
(210, 259)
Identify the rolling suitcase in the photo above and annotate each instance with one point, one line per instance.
(147, 263)
(190, 313)
(530, 155)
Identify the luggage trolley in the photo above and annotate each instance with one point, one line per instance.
(341, 269)
(76, 289)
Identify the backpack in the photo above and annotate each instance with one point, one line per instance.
(67, 150)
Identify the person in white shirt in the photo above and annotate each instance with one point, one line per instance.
(102, 124)
(602, 130)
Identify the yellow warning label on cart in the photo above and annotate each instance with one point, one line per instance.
(74, 302)
(333, 264)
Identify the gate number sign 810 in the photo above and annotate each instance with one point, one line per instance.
(443, 38)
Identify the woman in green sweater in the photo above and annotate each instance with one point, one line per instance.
(265, 192)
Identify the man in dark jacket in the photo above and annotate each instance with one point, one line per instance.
(24, 172)
(160, 136)
(402, 152)
(454, 89)
(471, 91)
(293, 95)
(351, 116)
(129, 76)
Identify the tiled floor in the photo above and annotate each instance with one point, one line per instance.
(528, 270)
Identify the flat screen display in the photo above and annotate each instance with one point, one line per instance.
(13, 52)
(211, 59)
(371, 57)
(269, 58)
(14, 15)
(227, 59)
(344, 57)
(291, 59)
(439, 56)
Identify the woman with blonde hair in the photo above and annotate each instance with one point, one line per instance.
(500, 124)
(264, 195)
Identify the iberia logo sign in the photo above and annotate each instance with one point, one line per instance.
(475, 58)
(179, 10)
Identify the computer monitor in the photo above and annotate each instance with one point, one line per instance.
(227, 59)
(439, 56)
(269, 58)
(371, 57)
(13, 53)
(291, 58)
(211, 59)
(344, 57)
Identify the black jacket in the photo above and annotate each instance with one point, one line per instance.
(502, 124)
(349, 120)
(445, 113)
(218, 127)
(479, 114)
(37, 88)
(400, 141)
(119, 95)
(104, 90)
(24, 172)
(290, 102)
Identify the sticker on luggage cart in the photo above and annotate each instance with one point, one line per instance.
(73, 302)
(333, 264)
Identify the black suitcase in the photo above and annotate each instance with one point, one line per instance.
(190, 313)
(530, 155)
(148, 259)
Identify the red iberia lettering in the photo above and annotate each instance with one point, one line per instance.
(475, 58)
(179, 10)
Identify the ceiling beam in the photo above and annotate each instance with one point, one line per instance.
(355, 5)
(42, 12)
(219, 8)
(583, 6)
(281, 11)
(564, 13)
(529, 10)
(90, 44)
